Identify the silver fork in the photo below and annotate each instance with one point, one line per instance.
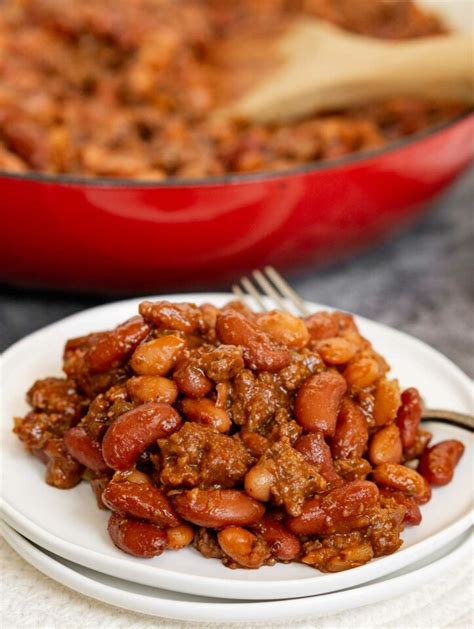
(268, 284)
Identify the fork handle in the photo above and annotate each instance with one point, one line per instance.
(449, 417)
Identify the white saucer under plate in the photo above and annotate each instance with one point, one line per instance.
(158, 602)
(69, 524)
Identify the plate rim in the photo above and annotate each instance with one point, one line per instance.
(187, 583)
(314, 606)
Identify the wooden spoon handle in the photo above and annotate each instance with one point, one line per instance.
(325, 68)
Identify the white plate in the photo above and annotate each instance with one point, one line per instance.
(156, 602)
(69, 524)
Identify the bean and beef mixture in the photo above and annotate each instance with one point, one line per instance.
(126, 88)
(255, 437)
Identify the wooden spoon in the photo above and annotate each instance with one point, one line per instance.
(323, 67)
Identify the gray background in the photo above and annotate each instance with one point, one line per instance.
(419, 282)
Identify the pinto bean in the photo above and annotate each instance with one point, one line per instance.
(260, 351)
(401, 478)
(386, 446)
(322, 325)
(140, 539)
(386, 402)
(425, 495)
(131, 433)
(284, 328)
(152, 388)
(163, 314)
(335, 559)
(113, 347)
(157, 357)
(317, 402)
(217, 508)
(243, 547)
(85, 449)
(140, 500)
(283, 545)
(204, 411)
(351, 435)
(409, 416)
(191, 380)
(361, 372)
(258, 482)
(339, 511)
(336, 351)
(179, 536)
(317, 452)
(437, 463)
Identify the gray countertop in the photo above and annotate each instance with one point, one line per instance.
(419, 282)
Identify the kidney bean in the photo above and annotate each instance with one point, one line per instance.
(179, 536)
(258, 482)
(386, 402)
(322, 325)
(283, 545)
(317, 402)
(131, 433)
(216, 508)
(157, 357)
(164, 314)
(351, 435)
(204, 411)
(191, 380)
(85, 449)
(412, 514)
(400, 478)
(140, 500)
(339, 511)
(336, 351)
(316, 451)
(409, 416)
(361, 372)
(152, 388)
(113, 347)
(243, 547)
(438, 462)
(140, 539)
(284, 328)
(386, 446)
(260, 351)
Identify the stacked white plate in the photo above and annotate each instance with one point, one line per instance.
(64, 535)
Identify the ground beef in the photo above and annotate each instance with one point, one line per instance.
(356, 468)
(205, 541)
(197, 456)
(294, 479)
(222, 363)
(57, 395)
(57, 407)
(255, 400)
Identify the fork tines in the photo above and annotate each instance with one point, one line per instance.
(271, 285)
